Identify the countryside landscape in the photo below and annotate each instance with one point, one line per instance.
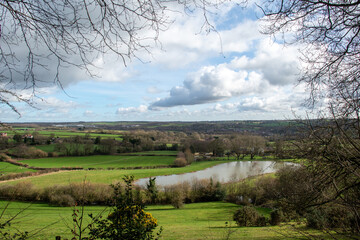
(49, 170)
(179, 119)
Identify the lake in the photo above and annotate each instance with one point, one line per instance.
(225, 172)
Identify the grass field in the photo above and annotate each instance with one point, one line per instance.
(6, 168)
(101, 161)
(158, 153)
(109, 176)
(64, 134)
(194, 221)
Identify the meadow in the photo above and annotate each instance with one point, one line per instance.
(109, 176)
(6, 168)
(102, 161)
(64, 133)
(193, 221)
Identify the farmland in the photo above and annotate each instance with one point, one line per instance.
(194, 221)
(54, 166)
(106, 161)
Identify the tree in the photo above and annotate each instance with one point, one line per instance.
(35, 34)
(128, 220)
(330, 31)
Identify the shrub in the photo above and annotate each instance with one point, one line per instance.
(180, 162)
(330, 216)
(276, 217)
(205, 191)
(175, 195)
(128, 220)
(248, 217)
(62, 200)
(23, 151)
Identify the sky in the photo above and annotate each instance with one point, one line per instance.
(235, 73)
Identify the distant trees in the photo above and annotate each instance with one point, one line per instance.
(243, 145)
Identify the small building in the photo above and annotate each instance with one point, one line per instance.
(3, 134)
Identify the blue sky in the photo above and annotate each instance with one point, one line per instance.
(235, 73)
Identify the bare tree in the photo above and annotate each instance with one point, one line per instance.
(330, 32)
(75, 33)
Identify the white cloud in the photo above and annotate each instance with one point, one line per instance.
(271, 66)
(278, 64)
(132, 110)
(153, 90)
(184, 42)
(211, 84)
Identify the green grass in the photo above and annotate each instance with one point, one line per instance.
(46, 148)
(194, 221)
(110, 176)
(6, 168)
(174, 153)
(101, 161)
(64, 134)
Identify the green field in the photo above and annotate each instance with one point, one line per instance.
(101, 161)
(6, 168)
(109, 176)
(64, 134)
(159, 153)
(194, 221)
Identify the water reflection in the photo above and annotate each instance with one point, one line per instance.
(226, 172)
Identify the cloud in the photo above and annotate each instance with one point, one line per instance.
(278, 64)
(132, 110)
(55, 105)
(212, 84)
(190, 45)
(270, 67)
(153, 90)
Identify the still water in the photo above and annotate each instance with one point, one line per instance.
(225, 172)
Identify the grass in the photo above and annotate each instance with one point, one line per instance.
(159, 153)
(46, 148)
(102, 161)
(64, 134)
(110, 176)
(6, 168)
(194, 221)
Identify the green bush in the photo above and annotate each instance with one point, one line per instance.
(248, 217)
(331, 216)
(276, 217)
(128, 220)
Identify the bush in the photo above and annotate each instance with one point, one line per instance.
(276, 217)
(62, 200)
(175, 195)
(180, 162)
(128, 220)
(248, 217)
(28, 152)
(206, 191)
(331, 216)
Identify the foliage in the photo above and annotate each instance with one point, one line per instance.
(24, 151)
(332, 216)
(276, 217)
(152, 190)
(175, 195)
(248, 217)
(180, 162)
(128, 220)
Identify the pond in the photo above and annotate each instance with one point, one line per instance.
(225, 172)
